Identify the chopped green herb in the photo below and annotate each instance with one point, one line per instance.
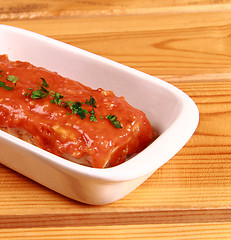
(85, 111)
(57, 98)
(2, 84)
(44, 83)
(68, 104)
(41, 92)
(8, 88)
(44, 90)
(2, 71)
(91, 102)
(12, 78)
(75, 107)
(38, 94)
(114, 121)
(92, 116)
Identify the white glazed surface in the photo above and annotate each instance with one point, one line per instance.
(169, 110)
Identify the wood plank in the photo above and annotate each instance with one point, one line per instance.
(184, 42)
(58, 9)
(202, 231)
(197, 45)
(196, 77)
(114, 218)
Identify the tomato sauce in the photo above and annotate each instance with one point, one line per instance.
(55, 129)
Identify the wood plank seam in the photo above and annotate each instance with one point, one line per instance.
(115, 218)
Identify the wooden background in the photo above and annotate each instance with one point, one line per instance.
(185, 42)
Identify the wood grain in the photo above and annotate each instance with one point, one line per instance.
(114, 218)
(202, 231)
(198, 45)
(41, 9)
(184, 42)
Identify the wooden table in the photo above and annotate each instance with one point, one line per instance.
(185, 42)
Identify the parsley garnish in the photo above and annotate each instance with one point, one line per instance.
(57, 98)
(91, 102)
(44, 83)
(76, 107)
(40, 92)
(2, 71)
(10, 78)
(114, 121)
(92, 116)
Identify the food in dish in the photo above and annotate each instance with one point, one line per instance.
(90, 127)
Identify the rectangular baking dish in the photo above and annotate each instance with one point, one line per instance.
(170, 111)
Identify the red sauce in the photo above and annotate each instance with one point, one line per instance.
(60, 133)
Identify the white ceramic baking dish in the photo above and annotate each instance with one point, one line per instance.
(169, 110)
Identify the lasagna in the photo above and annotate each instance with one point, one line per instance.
(92, 127)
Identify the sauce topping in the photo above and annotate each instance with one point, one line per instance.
(70, 119)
